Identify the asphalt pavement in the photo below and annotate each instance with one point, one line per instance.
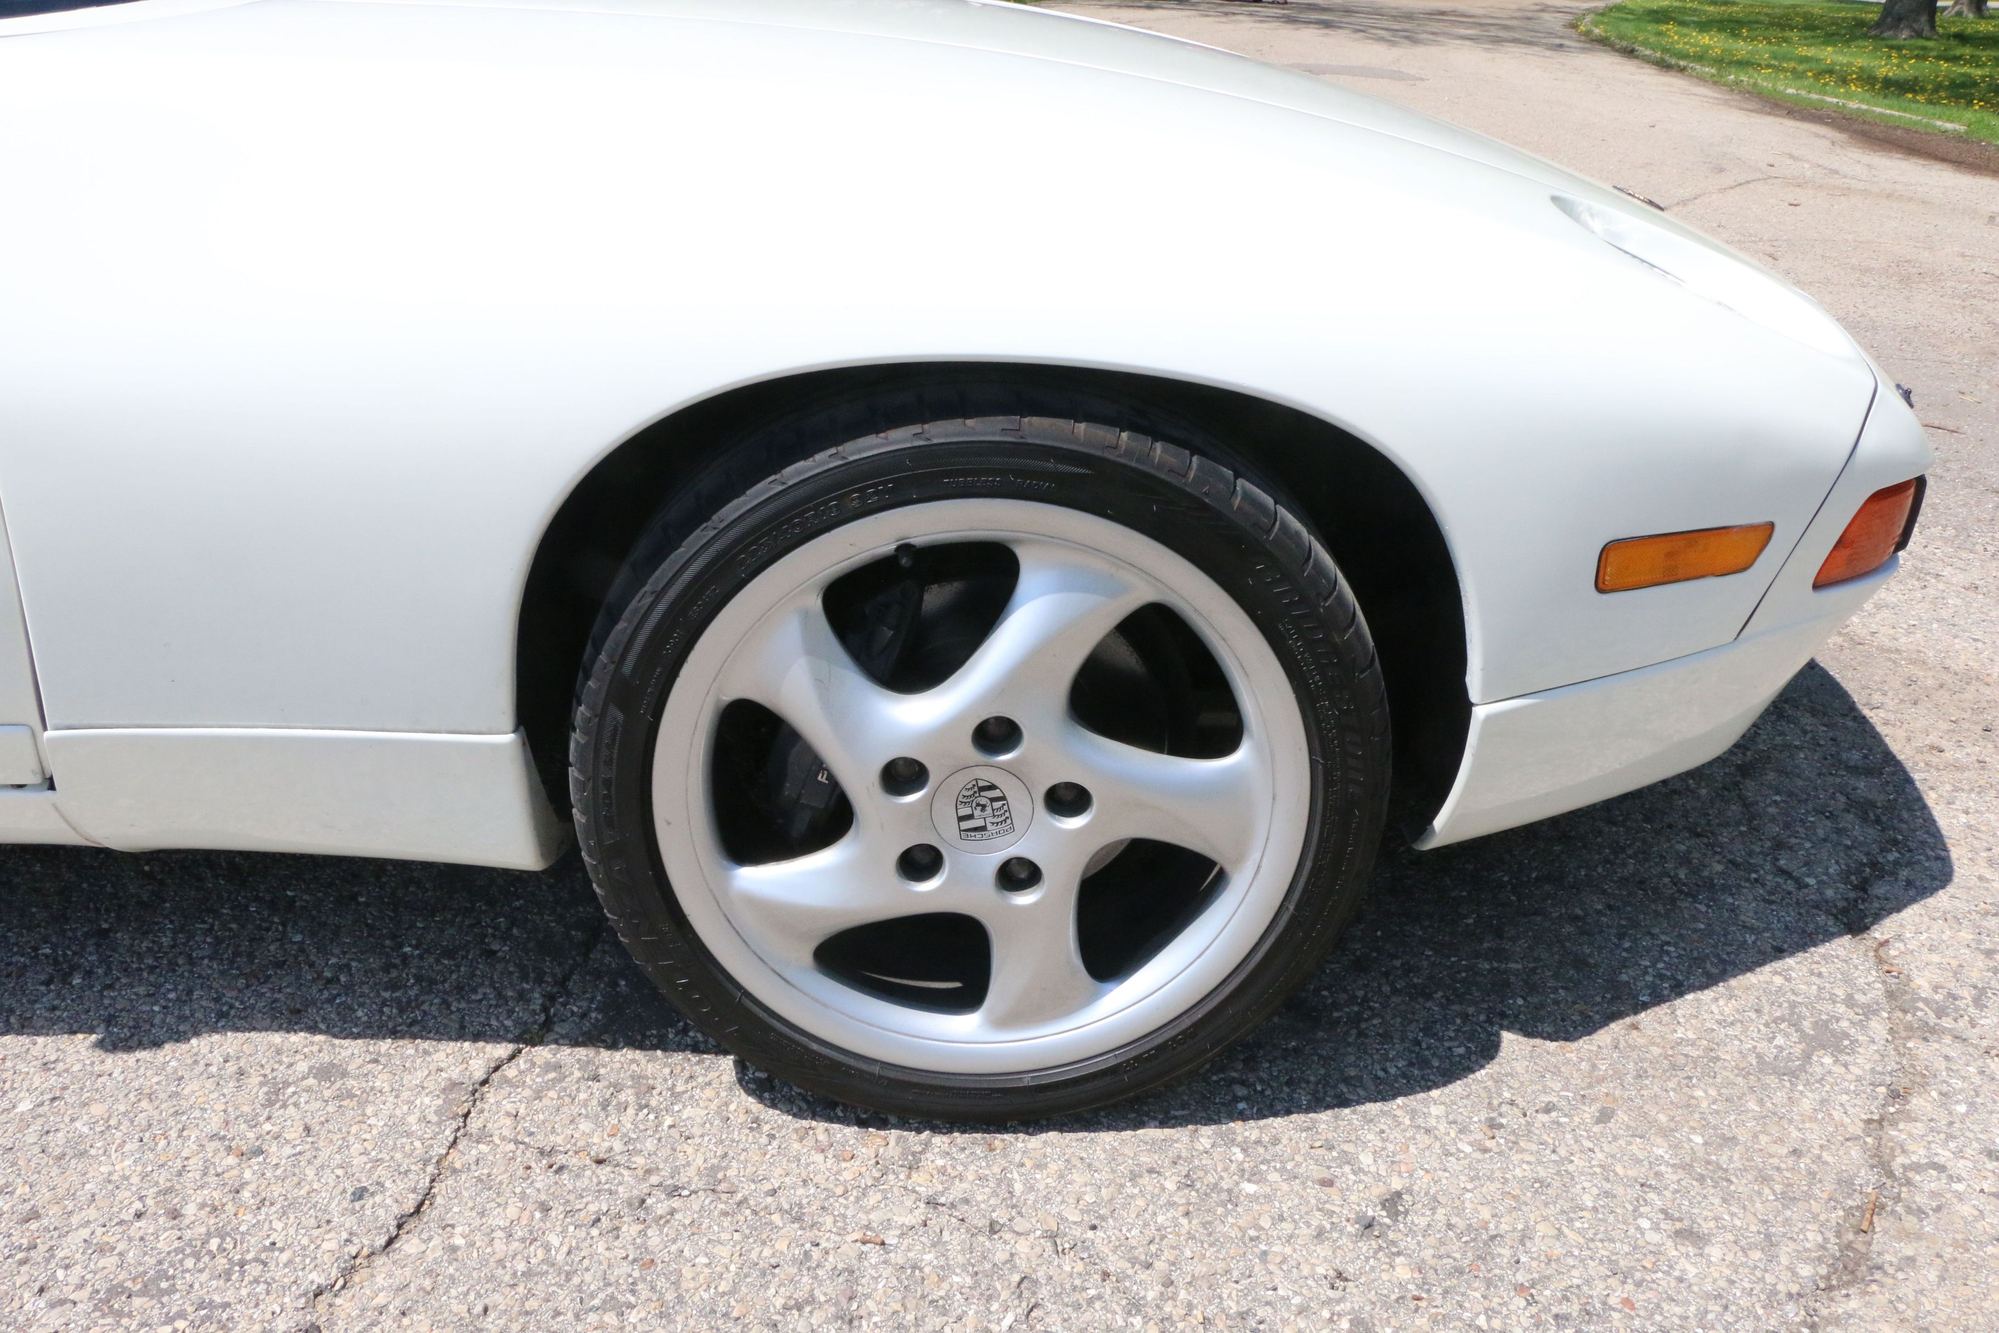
(1719, 1054)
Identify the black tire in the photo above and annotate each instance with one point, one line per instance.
(791, 483)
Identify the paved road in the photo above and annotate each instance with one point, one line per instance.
(1718, 1054)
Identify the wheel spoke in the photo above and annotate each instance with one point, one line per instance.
(796, 905)
(1210, 806)
(1037, 972)
(827, 941)
(1064, 603)
(796, 666)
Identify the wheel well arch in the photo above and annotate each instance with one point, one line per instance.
(1370, 515)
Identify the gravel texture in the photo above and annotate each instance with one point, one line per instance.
(1718, 1054)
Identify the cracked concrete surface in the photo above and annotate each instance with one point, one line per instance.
(1719, 1054)
(355, 1268)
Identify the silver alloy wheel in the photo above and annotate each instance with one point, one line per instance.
(1079, 577)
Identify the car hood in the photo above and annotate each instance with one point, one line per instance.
(1001, 28)
(1011, 29)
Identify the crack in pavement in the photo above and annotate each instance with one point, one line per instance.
(1852, 1260)
(1847, 1270)
(1852, 1265)
(1721, 189)
(323, 1297)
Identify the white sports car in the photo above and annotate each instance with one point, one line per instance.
(948, 500)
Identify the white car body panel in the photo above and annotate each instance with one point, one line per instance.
(471, 799)
(1542, 754)
(20, 709)
(1892, 448)
(323, 307)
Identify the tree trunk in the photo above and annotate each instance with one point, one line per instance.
(1903, 19)
(1965, 9)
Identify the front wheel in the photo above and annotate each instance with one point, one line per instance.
(981, 769)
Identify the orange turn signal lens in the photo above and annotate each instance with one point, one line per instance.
(1880, 529)
(1675, 557)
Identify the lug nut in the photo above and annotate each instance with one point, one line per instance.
(904, 776)
(1017, 874)
(997, 737)
(1067, 800)
(919, 863)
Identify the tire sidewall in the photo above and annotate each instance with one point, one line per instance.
(1314, 631)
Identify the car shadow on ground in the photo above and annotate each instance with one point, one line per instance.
(1808, 831)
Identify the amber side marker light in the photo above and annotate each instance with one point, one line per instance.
(1675, 557)
(1881, 528)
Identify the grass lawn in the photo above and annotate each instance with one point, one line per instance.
(1817, 53)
